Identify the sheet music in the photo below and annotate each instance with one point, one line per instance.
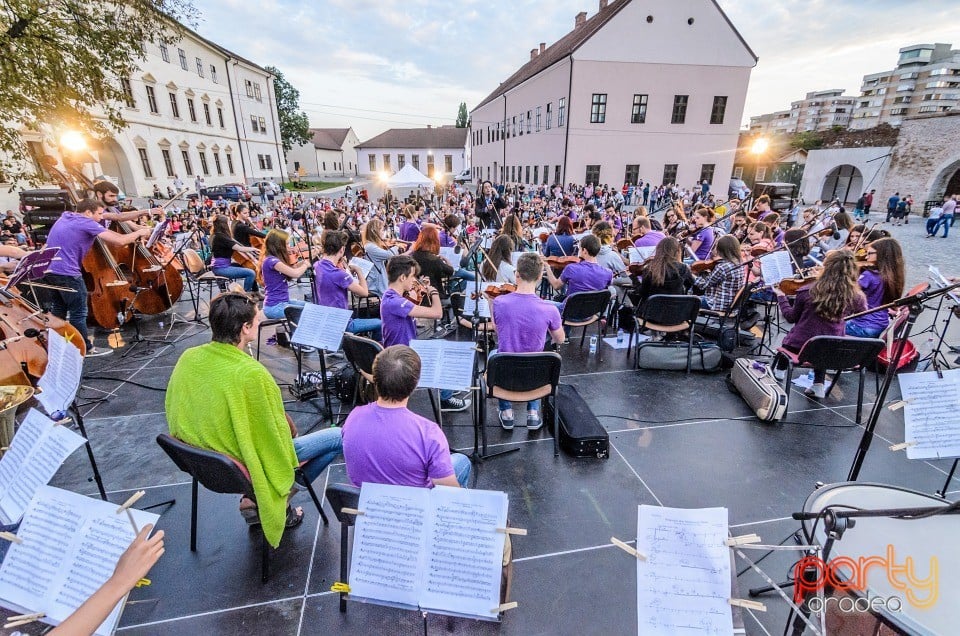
(942, 282)
(776, 266)
(445, 364)
(640, 254)
(465, 551)
(71, 545)
(388, 542)
(450, 253)
(515, 256)
(469, 303)
(684, 585)
(33, 266)
(321, 327)
(61, 379)
(932, 414)
(37, 452)
(364, 265)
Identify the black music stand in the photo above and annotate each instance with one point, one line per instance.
(194, 294)
(78, 418)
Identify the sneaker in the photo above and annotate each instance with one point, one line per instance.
(779, 374)
(506, 419)
(454, 404)
(534, 421)
(817, 391)
(93, 352)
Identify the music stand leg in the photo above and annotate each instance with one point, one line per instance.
(942, 493)
(93, 462)
(434, 404)
(480, 453)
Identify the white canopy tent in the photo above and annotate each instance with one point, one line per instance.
(409, 177)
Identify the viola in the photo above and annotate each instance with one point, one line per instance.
(497, 290)
(560, 262)
(790, 286)
(702, 267)
(624, 244)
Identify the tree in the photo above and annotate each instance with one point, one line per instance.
(462, 117)
(62, 63)
(807, 140)
(294, 124)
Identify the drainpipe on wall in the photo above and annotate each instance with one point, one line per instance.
(236, 124)
(566, 139)
(503, 140)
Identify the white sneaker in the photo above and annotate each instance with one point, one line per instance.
(818, 391)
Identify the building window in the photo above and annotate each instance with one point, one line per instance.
(549, 115)
(174, 106)
(598, 108)
(206, 113)
(513, 174)
(669, 174)
(679, 110)
(200, 67)
(401, 162)
(263, 164)
(213, 73)
(263, 125)
(546, 171)
(415, 160)
(145, 163)
(632, 174)
(167, 161)
(761, 173)
(203, 163)
(216, 163)
(164, 53)
(152, 100)
(254, 123)
(556, 174)
(229, 163)
(706, 172)
(561, 112)
(192, 110)
(638, 115)
(220, 116)
(448, 163)
(183, 59)
(529, 121)
(536, 174)
(249, 86)
(386, 162)
(186, 161)
(593, 174)
(719, 110)
(256, 92)
(738, 172)
(430, 168)
(127, 93)
(513, 127)
(373, 162)
(269, 160)
(539, 108)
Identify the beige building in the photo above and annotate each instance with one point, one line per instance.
(818, 110)
(331, 152)
(925, 81)
(431, 150)
(641, 90)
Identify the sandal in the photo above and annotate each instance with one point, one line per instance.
(294, 516)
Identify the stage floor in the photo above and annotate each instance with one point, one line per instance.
(676, 440)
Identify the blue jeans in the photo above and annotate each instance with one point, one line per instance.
(275, 312)
(248, 276)
(532, 405)
(461, 468)
(318, 449)
(853, 329)
(365, 325)
(72, 304)
(932, 223)
(946, 222)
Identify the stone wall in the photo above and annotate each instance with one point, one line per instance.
(925, 157)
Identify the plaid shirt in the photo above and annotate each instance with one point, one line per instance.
(722, 284)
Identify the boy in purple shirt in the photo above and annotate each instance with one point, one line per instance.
(587, 275)
(522, 321)
(331, 283)
(398, 314)
(648, 237)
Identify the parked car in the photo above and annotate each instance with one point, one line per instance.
(257, 185)
(229, 191)
(463, 177)
(738, 189)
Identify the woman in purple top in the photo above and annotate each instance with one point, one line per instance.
(818, 310)
(409, 230)
(332, 282)
(277, 273)
(702, 241)
(882, 282)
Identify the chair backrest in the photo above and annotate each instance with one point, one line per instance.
(586, 304)
(839, 352)
(343, 496)
(292, 313)
(193, 261)
(671, 310)
(523, 372)
(216, 471)
(360, 352)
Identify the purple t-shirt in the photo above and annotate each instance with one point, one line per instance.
(394, 446)
(398, 327)
(409, 231)
(523, 321)
(446, 240)
(707, 237)
(73, 234)
(650, 239)
(872, 285)
(275, 283)
(331, 284)
(584, 276)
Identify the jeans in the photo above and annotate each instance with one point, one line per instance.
(364, 325)
(72, 304)
(318, 450)
(248, 276)
(932, 224)
(275, 312)
(853, 329)
(461, 468)
(946, 222)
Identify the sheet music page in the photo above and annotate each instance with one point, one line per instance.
(684, 585)
(931, 417)
(942, 282)
(30, 430)
(364, 265)
(469, 302)
(465, 551)
(515, 256)
(445, 365)
(640, 254)
(61, 379)
(321, 327)
(450, 253)
(40, 464)
(776, 266)
(388, 543)
(71, 544)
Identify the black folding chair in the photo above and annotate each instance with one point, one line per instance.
(584, 309)
(521, 377)
(360, 353)
(667, 314)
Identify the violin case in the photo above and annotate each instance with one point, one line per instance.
(755, 383)
(581, 434)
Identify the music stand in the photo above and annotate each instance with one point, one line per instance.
(33, 267)
(180, 243)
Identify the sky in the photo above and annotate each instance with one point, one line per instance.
(379, 64)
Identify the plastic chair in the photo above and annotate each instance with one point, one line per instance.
(360, 353)
(522, 377)
(221, 473)
(835, 353)
(668, 314)
(343, 496)
(732, 315)
(584, 309)
(268, 322)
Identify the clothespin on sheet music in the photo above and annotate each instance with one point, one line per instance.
(733, 542)
(902, 446)
(22, 619)
(503, 608)
(340, 588)
(352, 511)
(520, 532)
(629, 549)
(125, 507)
(899, 404)
(9, 536)
(745, 604)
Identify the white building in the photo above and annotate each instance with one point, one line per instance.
(430, 150)
(193, 109)
(331, 152)
(818, 110)
(642, 90)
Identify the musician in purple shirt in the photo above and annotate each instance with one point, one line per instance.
(409, 230)
(587, 275)
(648, 236)
(332, 282)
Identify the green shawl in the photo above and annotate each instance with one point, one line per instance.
(221, 399)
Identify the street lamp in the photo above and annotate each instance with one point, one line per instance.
(760, 146)
(73, 141)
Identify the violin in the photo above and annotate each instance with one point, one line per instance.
(496, 290)
(419, 292)
(560, 262)
(702, 267)
(790, 286)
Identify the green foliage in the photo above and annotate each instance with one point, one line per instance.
(61, 62)
(313, 186)
(294, 123)
(462, 116)
(806, 141)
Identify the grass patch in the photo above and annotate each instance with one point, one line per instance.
(314, 185)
